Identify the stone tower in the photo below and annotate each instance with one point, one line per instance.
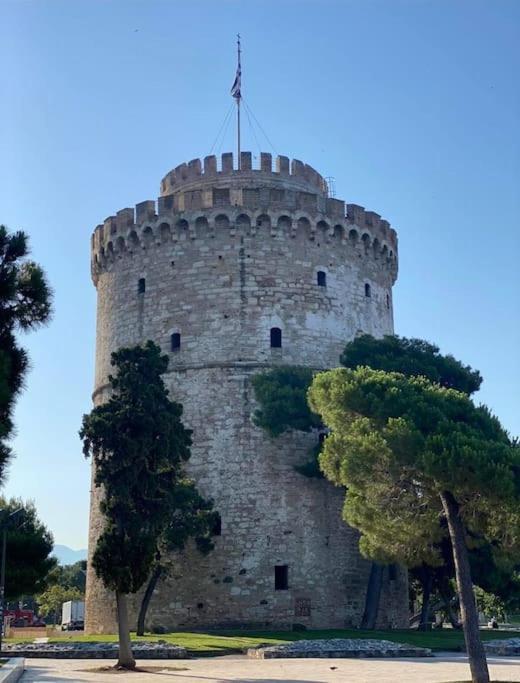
(232, 272)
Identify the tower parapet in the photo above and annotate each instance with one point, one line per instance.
(205, 172)
(196, 201)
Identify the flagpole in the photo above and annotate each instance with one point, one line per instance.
(238, 133)
(238, 106)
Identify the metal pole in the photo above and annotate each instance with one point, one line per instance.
(5, 522)
(238, 130)
(2, 582)
(238, 101)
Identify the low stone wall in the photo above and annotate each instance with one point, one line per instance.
(143, 650)
(338, 647)
(508, 647)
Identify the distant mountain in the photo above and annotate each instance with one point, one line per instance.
(66, 555)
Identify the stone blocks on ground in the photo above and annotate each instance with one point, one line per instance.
(509, 647)
(338, 648)
(70, 650)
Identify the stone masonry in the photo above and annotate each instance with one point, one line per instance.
(223, 258)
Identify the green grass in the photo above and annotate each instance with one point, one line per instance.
(225, 642)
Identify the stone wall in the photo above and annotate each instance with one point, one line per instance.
(222, 279)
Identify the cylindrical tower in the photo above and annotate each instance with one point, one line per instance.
(232, 272)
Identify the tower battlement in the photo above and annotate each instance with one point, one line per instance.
(205, 172)
(251, 203)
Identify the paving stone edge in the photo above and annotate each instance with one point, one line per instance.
(12, 670)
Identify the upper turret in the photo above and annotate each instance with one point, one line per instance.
(203, 174)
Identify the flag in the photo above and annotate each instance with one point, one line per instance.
(237, 83)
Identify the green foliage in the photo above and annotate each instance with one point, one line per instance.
(190, 517)
(29, 548)
(311, 468)
(397, 443)
(282, 397)
(282, 392)
(50, 601)
(490, 605)
(139, 445)
(69, 575)
(411, 357)
(25, 303)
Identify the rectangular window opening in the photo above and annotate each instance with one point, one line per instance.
(175, 341)
(281, 577)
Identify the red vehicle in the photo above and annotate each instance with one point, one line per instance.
(21, 617)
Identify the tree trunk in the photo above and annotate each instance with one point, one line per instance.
(156, 574)
(468, 607)
(375, 583)
(455, 623)
(126, 658)
(426, 583)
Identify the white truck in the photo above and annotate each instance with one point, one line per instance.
(73, 615)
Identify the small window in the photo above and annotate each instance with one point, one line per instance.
(141, 285)
(175, 341)
(322, 278)
(388, 301)
(392, 572)
(281, 577)
(217, 527)
(276, 338)
(367, 290)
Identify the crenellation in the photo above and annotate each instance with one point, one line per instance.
(282, 165)
(124, 219)
(372, 219)
(297, 168)
(266, 162)
(194, 169)
(145, 211)
(165, 204)
(287, 172)
(109, 226)
(210, 165)
(99, 232)
(281, 223)
(336, 208)
(227, 162)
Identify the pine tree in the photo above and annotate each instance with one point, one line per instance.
(138, 444)
(412, 452)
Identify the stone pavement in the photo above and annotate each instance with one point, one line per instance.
(240, 669)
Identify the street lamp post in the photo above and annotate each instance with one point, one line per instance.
(4, 522)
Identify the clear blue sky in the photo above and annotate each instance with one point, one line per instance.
(411, 105)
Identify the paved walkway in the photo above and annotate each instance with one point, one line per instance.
(238, 669)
